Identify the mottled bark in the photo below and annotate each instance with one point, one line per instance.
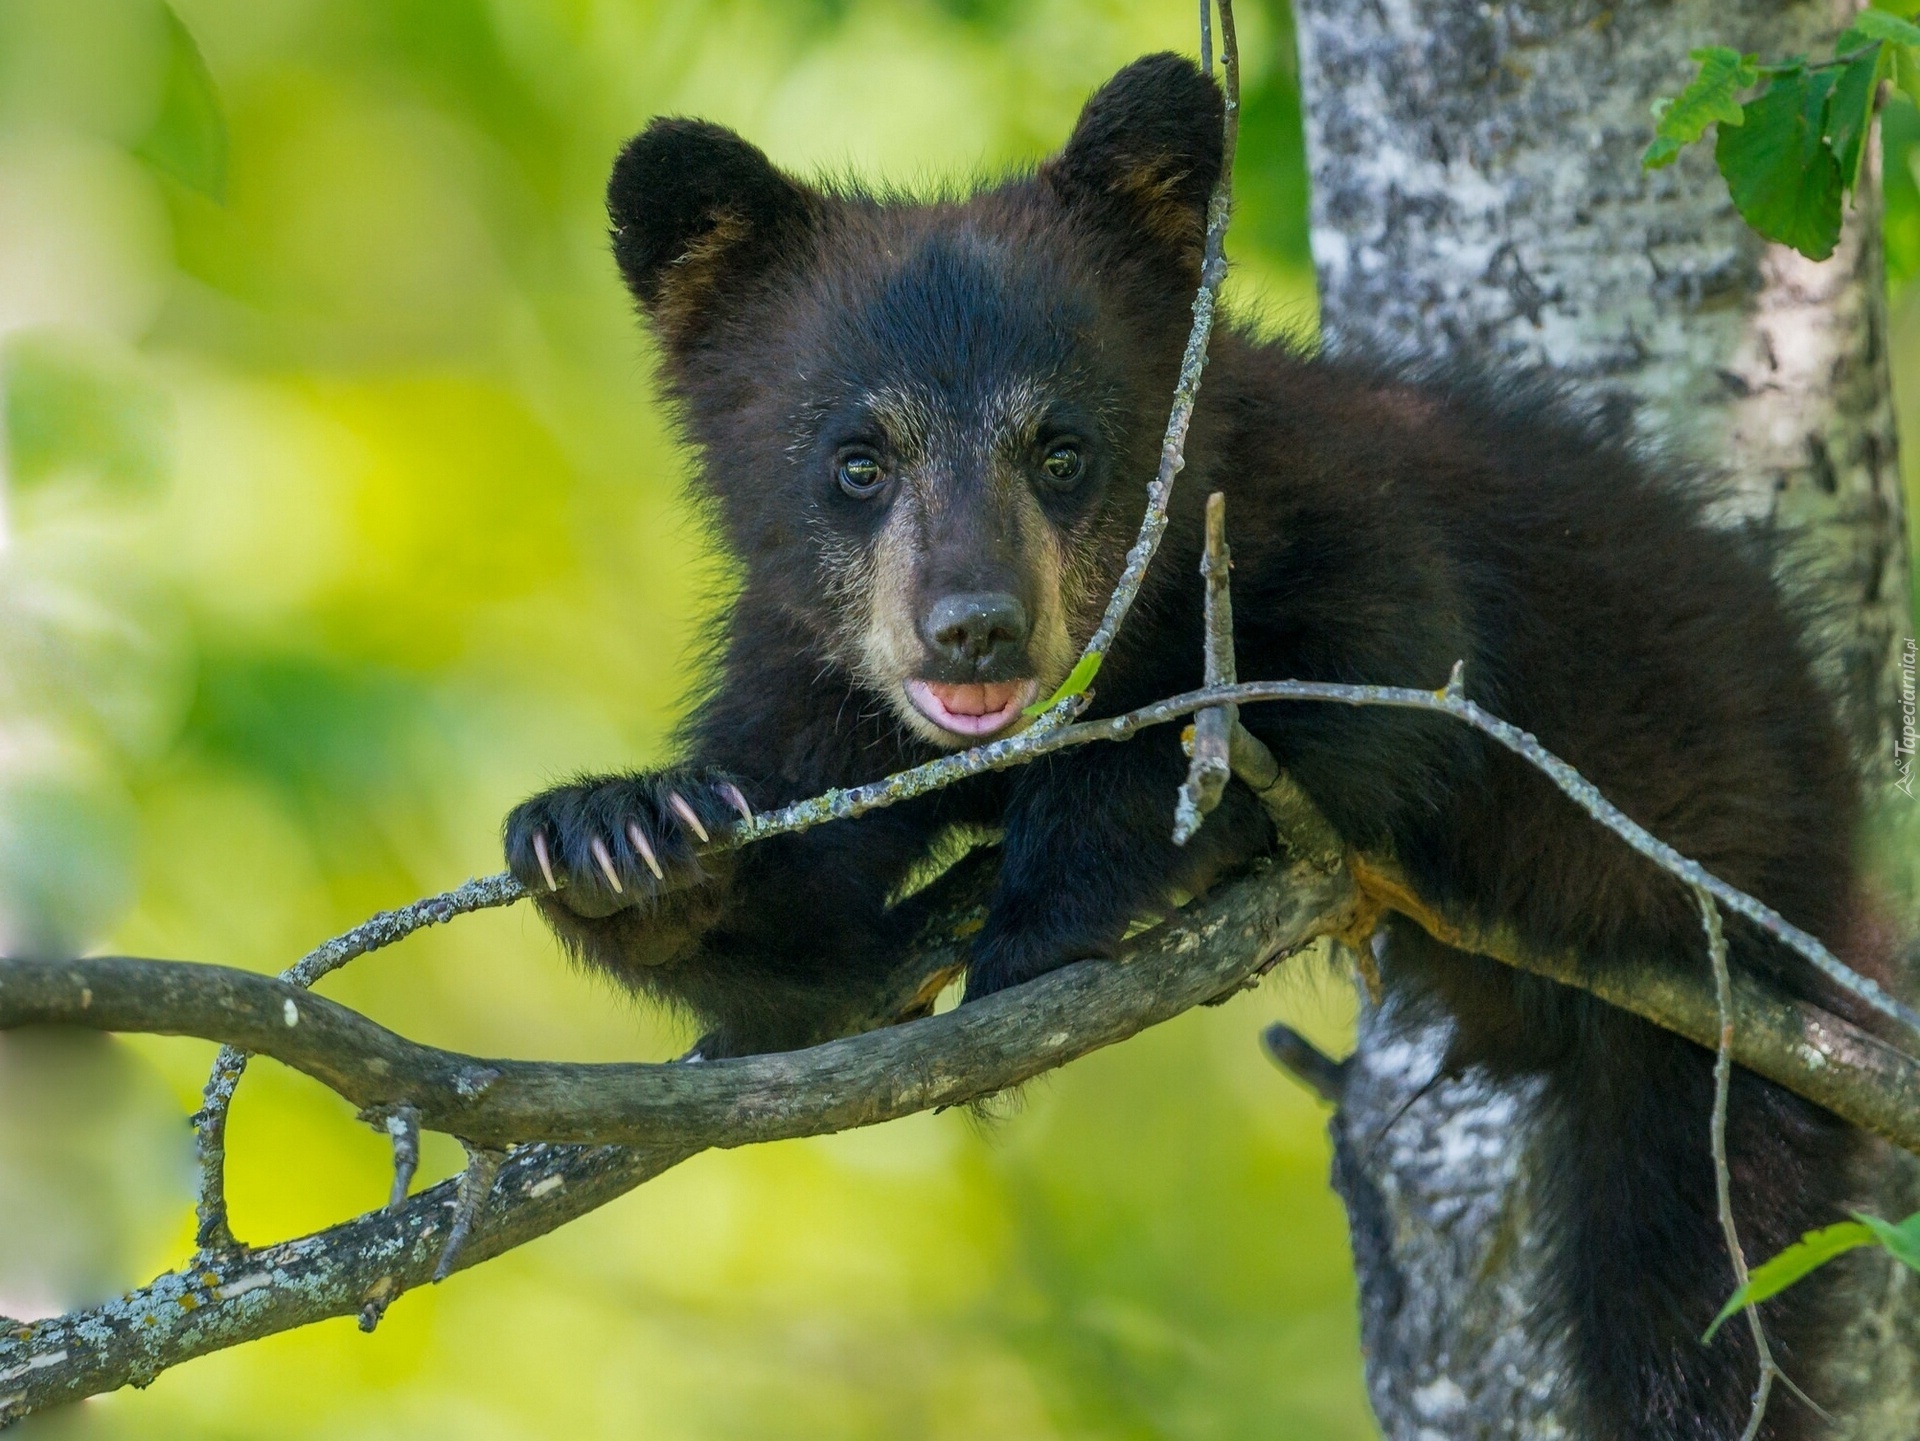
(1477, 191)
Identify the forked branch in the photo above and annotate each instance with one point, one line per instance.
(359, 1267)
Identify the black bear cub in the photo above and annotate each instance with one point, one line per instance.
(925, 429)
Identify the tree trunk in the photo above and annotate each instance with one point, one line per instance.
(1477, 189)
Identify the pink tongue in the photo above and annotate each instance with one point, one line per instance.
(987, 699)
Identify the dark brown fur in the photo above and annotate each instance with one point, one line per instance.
(1385, 522)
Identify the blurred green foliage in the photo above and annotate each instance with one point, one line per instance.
(336, 516)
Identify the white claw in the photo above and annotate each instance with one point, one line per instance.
(546, 861)
(639, 839)
(601, 854)
(685, 812)
(738, 801)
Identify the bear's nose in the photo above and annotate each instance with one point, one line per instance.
(975, 625)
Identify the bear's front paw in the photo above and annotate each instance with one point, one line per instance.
(601, 846)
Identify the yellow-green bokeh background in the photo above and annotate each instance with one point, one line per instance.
(335, 516)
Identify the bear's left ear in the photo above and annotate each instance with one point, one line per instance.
(699, 218)
(1145, 154)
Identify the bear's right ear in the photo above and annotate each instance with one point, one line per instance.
(698, 214)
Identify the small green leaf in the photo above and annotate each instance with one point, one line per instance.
(1879, 25)
(188, 140)
(1784, 180)
(1809, 1253)
(1850, 112)
(1075, 684)
(1709, 97)
(1905, 72)
(1902, 1241)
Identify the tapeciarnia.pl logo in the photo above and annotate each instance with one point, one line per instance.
(1903, 748)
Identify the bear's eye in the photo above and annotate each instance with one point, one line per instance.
(860, 474)
(1064, 464)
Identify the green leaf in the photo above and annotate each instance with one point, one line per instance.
(1850, 112)
(1075, 684)
(1784, 180)
(188, 141)
(1809, 1253)
(1879, 25)
(1902, 1241)
(1709, 97)
(1904, 71)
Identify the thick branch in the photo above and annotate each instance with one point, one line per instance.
(356, 1268)
(1804, 1047)
(1208, 950)
(938, 1061)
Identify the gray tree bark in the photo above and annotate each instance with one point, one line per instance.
(1477, 190)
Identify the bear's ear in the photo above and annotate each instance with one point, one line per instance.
(698, 216)
(1145, 154)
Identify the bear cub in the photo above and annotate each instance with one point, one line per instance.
(924, 430)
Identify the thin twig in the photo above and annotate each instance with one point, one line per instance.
(1213, 270)
(1451, 700)
(1212, 764)
(403, 1128)
(214, 1235)
(476, 1185)
(1798, 67)
(1299, 823)
(1722, 1180)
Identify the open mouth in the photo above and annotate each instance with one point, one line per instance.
(972, 710)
